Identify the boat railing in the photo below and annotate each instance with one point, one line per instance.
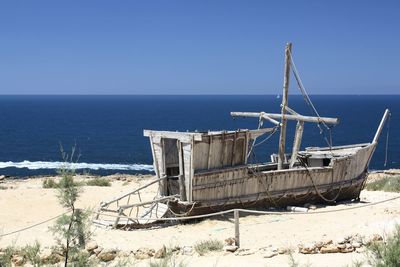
(132, 203)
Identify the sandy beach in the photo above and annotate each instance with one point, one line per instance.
(24, 203)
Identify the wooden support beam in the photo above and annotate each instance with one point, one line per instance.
(266, 117)
(326, 120)
(291, 111)
(155, 163)
(282, 136)
(190, 189)
(163, 183)
(182, 191)
(297, 142)
(185, 137)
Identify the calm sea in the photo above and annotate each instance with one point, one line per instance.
(108, 130)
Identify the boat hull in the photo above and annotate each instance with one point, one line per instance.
(247, 187)
(336, 194)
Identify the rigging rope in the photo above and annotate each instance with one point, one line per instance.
(387, 140)
(333, 200)
(303, 89)
(310, 104)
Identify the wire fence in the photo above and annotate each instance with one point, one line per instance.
(208, 215)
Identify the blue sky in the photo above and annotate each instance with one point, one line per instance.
(197, 47)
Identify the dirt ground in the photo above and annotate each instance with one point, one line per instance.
(24, 203)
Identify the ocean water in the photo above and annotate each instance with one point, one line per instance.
(108, 130)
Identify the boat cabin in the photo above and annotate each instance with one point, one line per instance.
(178, 156)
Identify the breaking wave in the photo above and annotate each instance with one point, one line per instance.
(37, 165)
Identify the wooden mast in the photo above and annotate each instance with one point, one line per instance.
(282, 137)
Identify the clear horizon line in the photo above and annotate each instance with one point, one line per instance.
(366, 94)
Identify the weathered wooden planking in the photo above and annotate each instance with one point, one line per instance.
(219, 151)
(238, 182)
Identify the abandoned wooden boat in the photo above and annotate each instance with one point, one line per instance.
(202, 172)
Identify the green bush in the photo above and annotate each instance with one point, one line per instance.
(31, 253)
(206, 246)
(49, 183)
(98, 182)
(386, 254)
(5, 256)
(168, 261)
(387, 184)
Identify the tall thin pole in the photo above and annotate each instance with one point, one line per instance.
(282, 137)
(237, 233)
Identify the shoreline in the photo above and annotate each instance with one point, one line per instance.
(138, 174)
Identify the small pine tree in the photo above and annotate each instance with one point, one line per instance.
(71, 230)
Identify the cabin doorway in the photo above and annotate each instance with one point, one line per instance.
(174, 169)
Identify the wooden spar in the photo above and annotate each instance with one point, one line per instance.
(265, 117)
(182, 191)
(282, 137)
(291, 111)
(378, 132)
(287, 117)
(297, 142)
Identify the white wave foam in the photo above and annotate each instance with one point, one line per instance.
(37, 165)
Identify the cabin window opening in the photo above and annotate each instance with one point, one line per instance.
(172, 171)
(326, 162)
(171, 161)
(171, 156)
